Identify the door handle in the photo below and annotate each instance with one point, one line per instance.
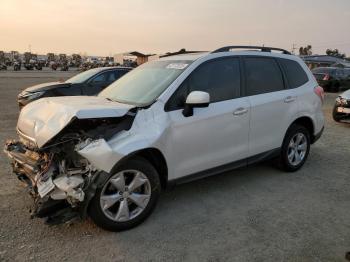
(289, 99)
(240, 111)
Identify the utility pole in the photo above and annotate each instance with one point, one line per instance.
(293, 49)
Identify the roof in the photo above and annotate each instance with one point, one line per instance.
(105, 68)
(229, 50)
(190, 57)
(181, 52)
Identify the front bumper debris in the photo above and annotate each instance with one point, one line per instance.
(57, 191)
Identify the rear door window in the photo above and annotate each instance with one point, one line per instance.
(263, 75)
(296, 75)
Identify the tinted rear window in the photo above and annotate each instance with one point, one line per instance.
(296, 75)
(263, 76)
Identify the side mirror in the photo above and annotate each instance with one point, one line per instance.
(195, 99)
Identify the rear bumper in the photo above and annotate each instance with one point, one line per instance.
(317, 136)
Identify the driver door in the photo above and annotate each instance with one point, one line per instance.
(215, 135)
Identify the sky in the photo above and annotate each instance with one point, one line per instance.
(107, 27)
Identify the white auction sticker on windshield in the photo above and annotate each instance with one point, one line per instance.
(179, 66)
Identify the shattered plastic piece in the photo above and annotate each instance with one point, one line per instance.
(45, 187)
(66, 183)
(77, 194)
(58, 194)
(99, 153)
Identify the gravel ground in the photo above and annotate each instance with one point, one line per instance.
(254, 214)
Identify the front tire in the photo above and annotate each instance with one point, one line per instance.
(128, 196)
(295, 148)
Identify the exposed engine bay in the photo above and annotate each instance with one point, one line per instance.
(60, 180)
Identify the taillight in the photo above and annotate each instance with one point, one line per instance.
(326, 77)
(319, 92)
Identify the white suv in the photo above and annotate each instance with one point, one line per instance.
(168, 121)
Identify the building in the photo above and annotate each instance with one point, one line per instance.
(140, 57)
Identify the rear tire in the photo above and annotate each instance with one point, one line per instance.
(295, 148)
(128, 196)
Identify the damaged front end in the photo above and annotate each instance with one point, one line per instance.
(61, 181)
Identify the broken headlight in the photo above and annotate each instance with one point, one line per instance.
(31, 95)
(341, 101)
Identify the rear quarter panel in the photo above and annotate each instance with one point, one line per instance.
(310, 105)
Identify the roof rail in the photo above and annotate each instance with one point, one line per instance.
(261, 48)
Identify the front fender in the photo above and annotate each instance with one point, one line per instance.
(105, 155)
(146, 132)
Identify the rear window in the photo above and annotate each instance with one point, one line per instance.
(296, 75)
(263, 75)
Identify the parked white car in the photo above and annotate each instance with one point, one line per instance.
(166, 122)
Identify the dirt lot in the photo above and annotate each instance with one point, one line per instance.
(253, 214)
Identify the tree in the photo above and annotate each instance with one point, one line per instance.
(335, 52)
(307, 50)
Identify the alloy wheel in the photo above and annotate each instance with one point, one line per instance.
(125, 195)
(297, 149)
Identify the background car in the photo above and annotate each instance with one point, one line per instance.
(3, 67)
(88, 83)
(332, 78)
(341, 110)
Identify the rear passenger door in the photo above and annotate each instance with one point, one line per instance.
(272, 105)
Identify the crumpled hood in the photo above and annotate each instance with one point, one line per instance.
(46, 86)
(346, 94)
(41, 120)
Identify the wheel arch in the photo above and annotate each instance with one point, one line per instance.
(306, 122)
(153, 156)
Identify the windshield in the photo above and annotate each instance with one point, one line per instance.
(144, 84)
(82, 77)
